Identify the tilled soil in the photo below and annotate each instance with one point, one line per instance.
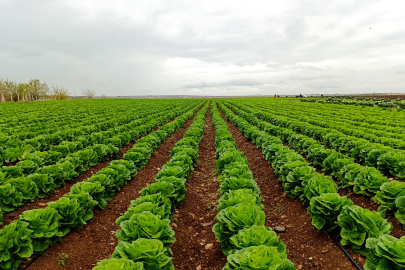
(95, 241)
(196, 245)
(307, 247)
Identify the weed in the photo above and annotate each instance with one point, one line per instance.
(281, 207)
(62, 259)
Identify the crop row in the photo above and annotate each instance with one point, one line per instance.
(365, 231)
(21, 143)
(386, 159)
(365, 126)
(240, 229)
(361, 101)
(364, 180)
(39, 181)
(117, 135)
(372, 154)
(37, 229)
(376, 118)
(145, 234)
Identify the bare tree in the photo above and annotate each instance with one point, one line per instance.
(89, 93)
(60, 92)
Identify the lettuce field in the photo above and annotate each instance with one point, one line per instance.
(237, 183)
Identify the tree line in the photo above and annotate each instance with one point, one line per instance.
(34, 90)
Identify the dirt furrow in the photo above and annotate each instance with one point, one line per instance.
(307, 247)
(95, 241)
(196, 245)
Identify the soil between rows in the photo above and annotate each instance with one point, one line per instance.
(95, 241)
(307, 247)
(196, 214)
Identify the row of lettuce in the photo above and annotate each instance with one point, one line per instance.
(386, 128)
(41, 172)
(21, 141)
(145, 235)
(361, 101)
(364, 180)
(365, 231)
(37, 229)
(376, 118)
(240, 229)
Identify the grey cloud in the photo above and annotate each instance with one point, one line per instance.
(115, 54)
(235, 82)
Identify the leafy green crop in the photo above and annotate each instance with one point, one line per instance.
(155, 203)
(234, 197)
(368, 181)
(386, 252)
(325, 209)
(296, 180)
(179, 185)
(118, 264)
(256, 236)
(45, 225)
(358, 224)
(150, 252)
(386, 196)
(317, 185)
(234, 218)
(95, 190)
(258, 257)
(15, 244)
(146, 225)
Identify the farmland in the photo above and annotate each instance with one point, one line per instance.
(248, 183)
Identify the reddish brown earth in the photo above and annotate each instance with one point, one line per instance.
(196, 245)
(95, 241)
(307, 247)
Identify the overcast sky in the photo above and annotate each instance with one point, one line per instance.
(206, 47)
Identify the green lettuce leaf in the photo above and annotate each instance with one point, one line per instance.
(15, 244)
(257, 236)
(234, 197)
(385, 252)
(118, 264)
(45, 225)
(357, 224)
(146, 225)
(234, 218)
(325, 209)
(258, 257)
(150, 252)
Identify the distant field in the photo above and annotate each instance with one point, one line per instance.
(201, 184)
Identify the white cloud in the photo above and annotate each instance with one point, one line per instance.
(208, 47)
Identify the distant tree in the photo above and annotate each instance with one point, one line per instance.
(103, 96)
(60, 92)
(36, 89)
(89, 93)
(3, 92)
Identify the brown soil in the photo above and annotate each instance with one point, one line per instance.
(95, 241)
(307, 247)
(196, 214)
